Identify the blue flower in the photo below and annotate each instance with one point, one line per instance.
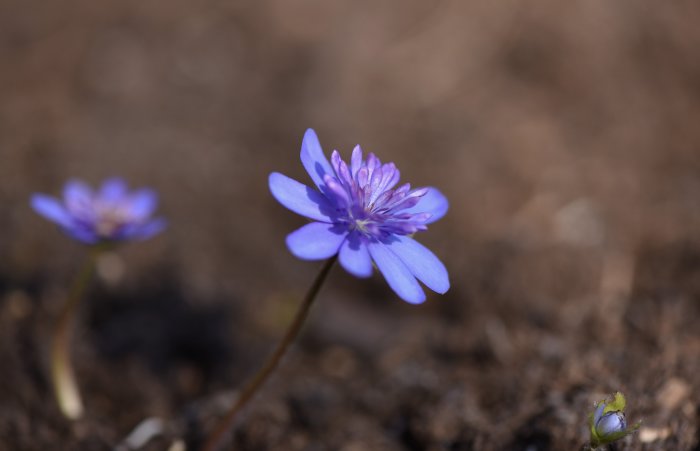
(360, 215)
(608, 423)
(110, 214)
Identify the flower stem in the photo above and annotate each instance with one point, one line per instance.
(62, 376)
(214, 441)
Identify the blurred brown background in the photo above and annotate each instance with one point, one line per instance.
(564, 133)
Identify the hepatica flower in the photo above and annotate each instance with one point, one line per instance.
(361, 214)
(608, 423)
(110, 214)
(98, 218)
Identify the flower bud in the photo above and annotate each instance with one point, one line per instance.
(608, 423)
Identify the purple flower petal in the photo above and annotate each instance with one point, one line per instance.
(299, 198)
(598, 412)
(316, 241)
(313, 159)
(421, 262)
(77, 197)
(337, 191)
(433, 202)
(142, 204)
(113, 189)
(354, 256)
(396, 273)
(145, 231)
(50, 208)
(82, 234)
(356, 160)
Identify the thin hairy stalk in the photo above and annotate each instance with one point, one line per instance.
(214, 441)
(62, 374)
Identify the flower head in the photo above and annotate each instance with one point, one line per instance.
(362, 216)
(110, 214)
(607, 421)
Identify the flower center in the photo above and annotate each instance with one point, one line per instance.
(367, 199)
(361, 225)
(109, 219)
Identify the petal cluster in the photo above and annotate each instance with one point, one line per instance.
(361, 213)
(607, 421)
(110, 214)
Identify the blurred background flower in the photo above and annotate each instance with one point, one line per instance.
(107, 215)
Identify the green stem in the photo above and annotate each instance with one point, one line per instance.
(62, 375)
(214, 441)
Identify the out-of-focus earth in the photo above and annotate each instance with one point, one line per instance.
(565, 134)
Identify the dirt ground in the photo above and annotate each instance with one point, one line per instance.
(565, 134)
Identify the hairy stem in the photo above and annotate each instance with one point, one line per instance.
(62, 375)
(214, 441)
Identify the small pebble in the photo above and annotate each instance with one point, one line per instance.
(673, 392)
(648, 435)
